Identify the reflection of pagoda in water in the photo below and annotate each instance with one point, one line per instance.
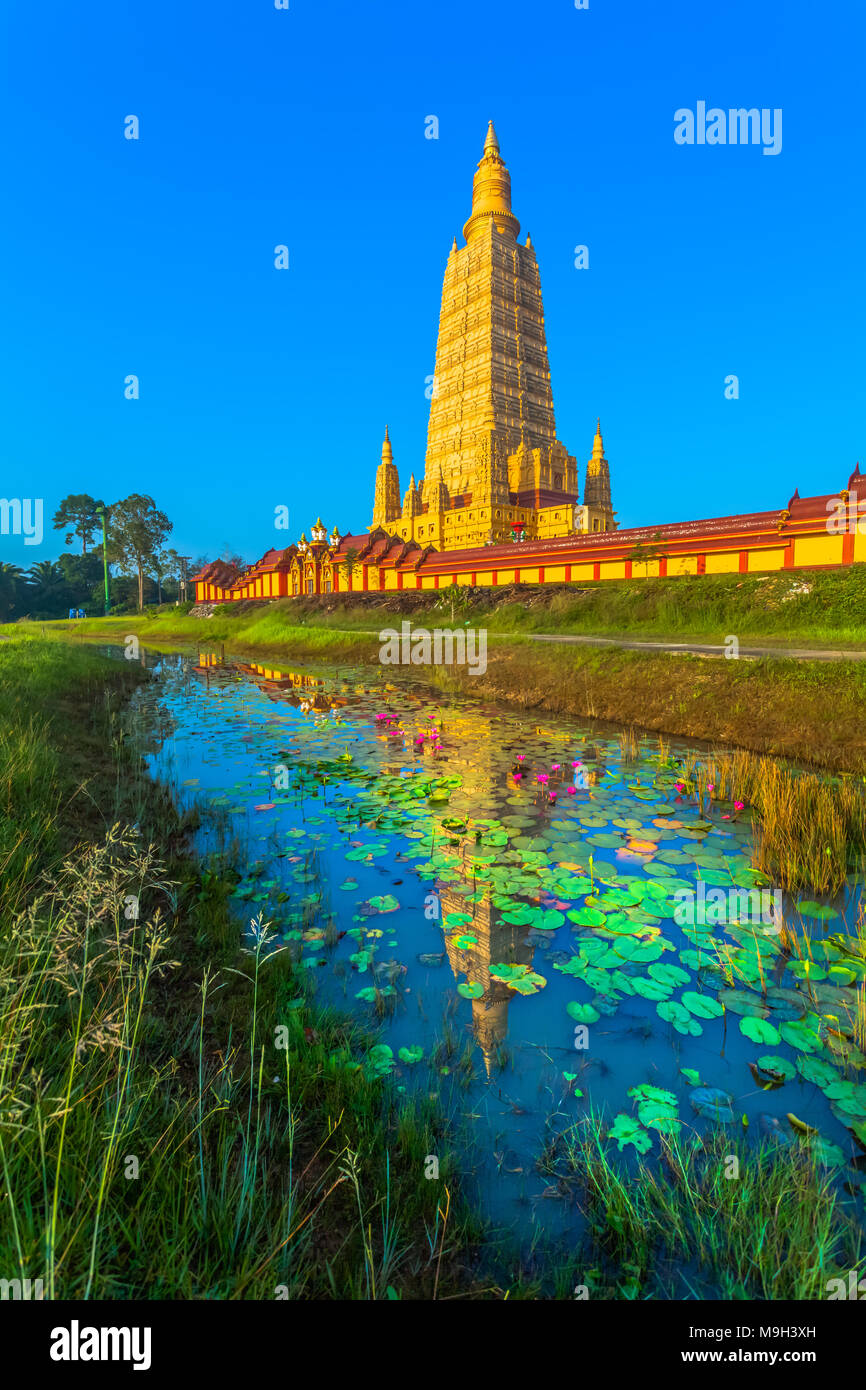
(498, 942)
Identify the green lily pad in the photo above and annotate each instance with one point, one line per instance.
(703, 1005)
(759, 1030)
(582, 1013)
(626, 1130)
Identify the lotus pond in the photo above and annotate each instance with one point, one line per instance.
(503, 902)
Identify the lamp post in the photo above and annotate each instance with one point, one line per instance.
(100, 512)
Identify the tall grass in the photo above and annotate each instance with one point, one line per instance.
(176, 1120)
(809, 831)
(771, 1225)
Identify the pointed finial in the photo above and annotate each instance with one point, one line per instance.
(454, 247)
(528, 240)
(387, 435)
(491, 144)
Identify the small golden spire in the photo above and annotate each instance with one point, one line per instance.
(387, 451)
(491, 144)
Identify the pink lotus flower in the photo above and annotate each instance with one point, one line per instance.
(554, 767)
(552, 798)
(680, 786)
(542, 778)
(517, 776)
(572, 791)
(520, 757)
(738, 805)
(711, 787)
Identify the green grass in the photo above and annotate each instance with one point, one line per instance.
(159, 1138)
(771, 1224)
(819, 608)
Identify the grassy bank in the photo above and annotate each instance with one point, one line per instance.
(812, 712)
(176, 1120)
(809, 711)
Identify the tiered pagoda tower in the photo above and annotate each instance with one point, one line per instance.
(597, 511)
(494, 464)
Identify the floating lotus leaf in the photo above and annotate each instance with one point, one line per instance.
(651, 989)
(778, 1066)
(808, 970)
(827, 1154)
(660, 870)
(647, 1091)
(800, 1036)
(703, 1005)
(656, 1115)
(848, 1098)
(464, 942)
(626, 1130)
(518, 977)
(472, 990)
(786, 1003)
(582, 1013)
(457, 919)
(668, 974)
(712, 1104)
(640, 951)
(818, 910)
(384, 903)
(759, 1030)
(586, 916)
(411, 1055)
(671, 1011)
(742, 1001)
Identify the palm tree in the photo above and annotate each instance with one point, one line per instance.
(11, 586)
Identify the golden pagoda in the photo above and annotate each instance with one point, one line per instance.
(494, 468)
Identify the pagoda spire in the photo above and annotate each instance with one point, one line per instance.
(596, 491)
(386, 498)
(491, 193)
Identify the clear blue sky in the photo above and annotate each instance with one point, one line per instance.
(306, 127)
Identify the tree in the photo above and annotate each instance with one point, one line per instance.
(11, 586)
(136, 532)
(167, 564)
(79, 510)
(84, 580)
(348, 565)
(47, 587)
(654, 550)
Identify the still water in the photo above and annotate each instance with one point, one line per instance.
(505, 899)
